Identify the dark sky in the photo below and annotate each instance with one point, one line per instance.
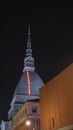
(52, 42)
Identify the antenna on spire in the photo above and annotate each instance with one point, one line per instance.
(29, 38)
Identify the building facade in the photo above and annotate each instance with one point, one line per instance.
(56, 102)
(28, 117)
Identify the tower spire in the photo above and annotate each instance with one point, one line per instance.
(29, 50)
(28, 40)
(29, 60)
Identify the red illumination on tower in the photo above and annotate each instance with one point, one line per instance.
(28, 81)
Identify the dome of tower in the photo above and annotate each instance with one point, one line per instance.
(35, 83)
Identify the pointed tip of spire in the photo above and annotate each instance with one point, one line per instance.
(29, 38)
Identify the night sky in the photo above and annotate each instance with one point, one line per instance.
(51, 37)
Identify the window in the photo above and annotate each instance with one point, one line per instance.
(53, 123)
(34, 109)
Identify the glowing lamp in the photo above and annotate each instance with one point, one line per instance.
(28, 123)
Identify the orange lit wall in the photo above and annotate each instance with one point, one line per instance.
(56, 101)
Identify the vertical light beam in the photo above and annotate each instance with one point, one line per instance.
(28, 81)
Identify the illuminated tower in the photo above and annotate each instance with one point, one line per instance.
(28, 62)
(29, 83)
